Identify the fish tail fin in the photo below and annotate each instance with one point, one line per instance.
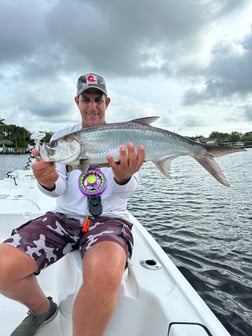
(205, 157)
(214, 169)
(208, 162)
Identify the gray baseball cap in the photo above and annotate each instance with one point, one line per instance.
(91, 80)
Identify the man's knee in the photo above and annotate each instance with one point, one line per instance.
(14, 265)
(103, 267)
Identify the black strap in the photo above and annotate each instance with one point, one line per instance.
(95, 205)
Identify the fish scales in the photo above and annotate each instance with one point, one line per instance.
(97, 143)
(90, 147)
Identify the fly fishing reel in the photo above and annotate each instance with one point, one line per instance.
(92, 183)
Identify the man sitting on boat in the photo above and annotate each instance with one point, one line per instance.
(97, 226)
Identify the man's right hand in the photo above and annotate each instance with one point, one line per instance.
(45, 172)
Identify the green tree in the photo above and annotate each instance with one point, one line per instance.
(235, 136)
(247, 136)
(48, 136)
(18, 135)
(220, 137)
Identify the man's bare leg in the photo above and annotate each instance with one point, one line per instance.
(103, 266)
(17, 280)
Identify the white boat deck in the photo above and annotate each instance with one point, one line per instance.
(154, 298)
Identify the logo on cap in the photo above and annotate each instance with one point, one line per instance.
(91, 79)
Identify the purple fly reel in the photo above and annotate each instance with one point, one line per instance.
(93, 182)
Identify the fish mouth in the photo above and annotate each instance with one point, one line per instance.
(65, 152)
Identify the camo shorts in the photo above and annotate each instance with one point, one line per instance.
(51, 236)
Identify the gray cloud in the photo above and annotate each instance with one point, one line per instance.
(121, 38)
(45, 41)
(229, 73)
(22, 27)
(248, 113)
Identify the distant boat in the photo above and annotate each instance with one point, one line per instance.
(239, 144)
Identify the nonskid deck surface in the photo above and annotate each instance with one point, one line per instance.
(154, 296)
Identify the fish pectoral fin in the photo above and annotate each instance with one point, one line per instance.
(83, 165)
(145, 120)
(164, 165)
(102, 165)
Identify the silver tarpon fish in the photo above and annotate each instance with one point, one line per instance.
(90, 146)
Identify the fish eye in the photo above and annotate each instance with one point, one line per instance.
(53, 143)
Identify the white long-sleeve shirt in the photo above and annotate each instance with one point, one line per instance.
(73, 203)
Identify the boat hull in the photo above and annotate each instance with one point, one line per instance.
(154, 298)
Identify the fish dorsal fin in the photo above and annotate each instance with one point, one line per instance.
(145, 120)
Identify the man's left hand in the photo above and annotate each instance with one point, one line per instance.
(130, 162)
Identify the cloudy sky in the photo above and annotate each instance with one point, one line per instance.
(188, 61)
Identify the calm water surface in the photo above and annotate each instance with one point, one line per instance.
(203, 226)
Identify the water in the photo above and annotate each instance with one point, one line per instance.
(9, 162)
(203, 226)
(206, 229)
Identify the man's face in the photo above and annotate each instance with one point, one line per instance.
(92, 104)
